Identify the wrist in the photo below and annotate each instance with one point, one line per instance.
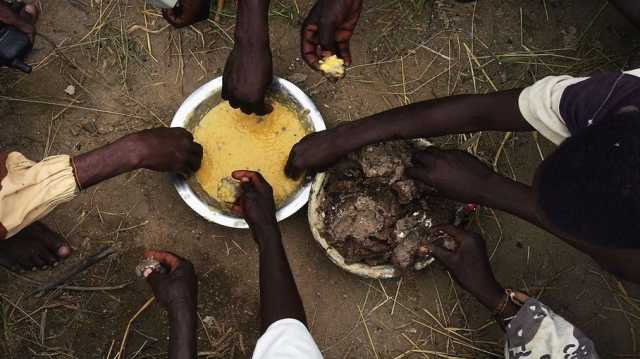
(492, 194)
(491, 297)
(252, 28)
(132, 150)
(266, 233)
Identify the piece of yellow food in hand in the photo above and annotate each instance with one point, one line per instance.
(228, 190)
(332, 66)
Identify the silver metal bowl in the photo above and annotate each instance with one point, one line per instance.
(193, 110)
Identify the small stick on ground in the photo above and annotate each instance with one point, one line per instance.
(79, 268)
(219, 9)
(67, 105)
(393, 307)
(123, 345)
(366, 327)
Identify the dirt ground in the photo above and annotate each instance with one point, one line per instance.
(404, 51)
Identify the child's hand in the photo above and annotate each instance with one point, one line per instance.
(178, 289)
(248, 74)
(469, 265)
(454, 174)
(255, 203)
(320, 150)
(188, 13)
(327, 30)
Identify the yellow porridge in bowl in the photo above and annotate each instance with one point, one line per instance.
(233, 141)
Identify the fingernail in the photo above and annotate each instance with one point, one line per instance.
(55, 264)
(147, 272)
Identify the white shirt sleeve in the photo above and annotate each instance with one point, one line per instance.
(286, 339)
(540, 106)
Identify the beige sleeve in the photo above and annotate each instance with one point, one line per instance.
(540, 106)
(31, 190)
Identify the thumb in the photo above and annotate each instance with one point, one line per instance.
(441, 254)
(291, 169)
(155, 280)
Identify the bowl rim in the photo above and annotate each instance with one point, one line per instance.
(181, 119)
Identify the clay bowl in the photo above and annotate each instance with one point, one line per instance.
(316, 222)
(193, 110)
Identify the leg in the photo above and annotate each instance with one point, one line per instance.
(36, 246)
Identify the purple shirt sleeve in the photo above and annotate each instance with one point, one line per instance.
(598, 98)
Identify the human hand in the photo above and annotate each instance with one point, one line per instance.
(165, 150)
(255, 203)
(248, 74)
(21, 16)
(318, 151)
(454, 174)
(468, 264)
(328, 29)
(178, 288)
(187, 13)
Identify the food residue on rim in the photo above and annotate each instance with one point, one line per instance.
(233, 141)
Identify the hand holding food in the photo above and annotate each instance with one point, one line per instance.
(187, 12)
(255, 203)
(178, 287)
(326, 33)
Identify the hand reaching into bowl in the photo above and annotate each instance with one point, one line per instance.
(248, 72)
(255, 203)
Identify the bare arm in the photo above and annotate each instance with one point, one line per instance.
(279, 297)
(159, 149)
(450, 115)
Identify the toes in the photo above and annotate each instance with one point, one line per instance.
(9, 264)
(37, 262)
(52, 240)
(24, 264)
(48, 258)
(64, 251)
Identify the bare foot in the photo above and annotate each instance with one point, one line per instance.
(36, 246)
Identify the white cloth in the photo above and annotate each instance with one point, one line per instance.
(286, 339)
(537, 332)
(31, 190)
(540, 105)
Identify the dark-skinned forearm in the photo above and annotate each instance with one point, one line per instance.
(279, 297)
(105, 162)
(252, 23)
(510, 196)
(444, 116)
(182, 342)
